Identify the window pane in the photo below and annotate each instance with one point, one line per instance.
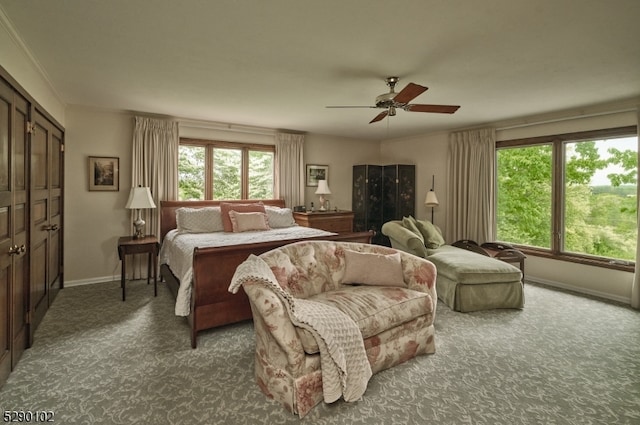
(600, 198)
(524, 186)
(260, 175)
(227, 172)
(191, 172)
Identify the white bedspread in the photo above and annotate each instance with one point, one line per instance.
(177, 252)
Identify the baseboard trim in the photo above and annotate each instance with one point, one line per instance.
(623, 300)
(81, 282)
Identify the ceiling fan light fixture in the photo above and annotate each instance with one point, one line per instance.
(385, 100)
(392, 111)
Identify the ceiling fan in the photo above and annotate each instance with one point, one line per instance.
(392, 100)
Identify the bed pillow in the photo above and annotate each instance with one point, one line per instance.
(225, 207)
(199, 220)
(367, 268)
(280, 217)
(243, 222)
(432, 237)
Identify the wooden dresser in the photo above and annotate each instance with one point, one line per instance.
(331, 221)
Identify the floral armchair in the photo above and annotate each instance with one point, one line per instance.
(394, 320)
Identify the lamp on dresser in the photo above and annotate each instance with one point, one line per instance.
(323, 189)
(139, 198)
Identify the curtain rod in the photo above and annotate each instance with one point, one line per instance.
(235, 128)
(550, 121)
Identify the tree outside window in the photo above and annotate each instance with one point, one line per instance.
(220, 170)
(573, 195)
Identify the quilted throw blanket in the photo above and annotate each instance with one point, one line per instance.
(345, 368)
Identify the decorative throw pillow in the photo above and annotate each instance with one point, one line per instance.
(243, 222)
(225, 207)
(279, 217)
(432, 237)
(410, 224)
(367, 268)
(199, 220)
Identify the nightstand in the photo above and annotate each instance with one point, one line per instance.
(149, 244)
(331, 221)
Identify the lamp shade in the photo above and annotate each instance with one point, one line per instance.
(323, 188)
(432, 199)
(140, 197)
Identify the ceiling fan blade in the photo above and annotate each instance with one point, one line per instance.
(350, 106)
(440, 109)
(379, 117)
(410, 92)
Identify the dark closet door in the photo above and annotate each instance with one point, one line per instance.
(6, 237)
(14, 218)
(40, 211)
(47, 152)
(20, 299)
(55, 258)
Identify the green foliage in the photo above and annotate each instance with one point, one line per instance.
(227, 169)
(524, 195)
(598, 221)
(226, 173)
(582, 162)
(260, 175)
(191, 172)
(628, 160)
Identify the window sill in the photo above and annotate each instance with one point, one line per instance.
(626, 266)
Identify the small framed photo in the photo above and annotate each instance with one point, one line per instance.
(104, 173)
(316, 173)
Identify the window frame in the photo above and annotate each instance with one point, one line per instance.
(558, 143)
(245, 148)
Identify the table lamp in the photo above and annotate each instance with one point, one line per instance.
(139, 198)
(323, 189)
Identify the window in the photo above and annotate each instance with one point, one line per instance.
(220, 170)
(571, 196)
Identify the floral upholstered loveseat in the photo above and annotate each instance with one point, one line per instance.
(327, 315)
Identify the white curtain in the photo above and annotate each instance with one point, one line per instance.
(154, 165)
(471, 187)
(289, 165)
(635, 287)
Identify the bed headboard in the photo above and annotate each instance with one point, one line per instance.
(168, 209)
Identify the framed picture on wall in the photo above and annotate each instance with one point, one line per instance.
(104, 173)
(316, 173)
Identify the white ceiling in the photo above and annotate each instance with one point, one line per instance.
(278, 63)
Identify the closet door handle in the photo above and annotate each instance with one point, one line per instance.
(15, 250)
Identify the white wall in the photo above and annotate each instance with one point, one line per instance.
(340, 154)
(429, 154)
(94, 220)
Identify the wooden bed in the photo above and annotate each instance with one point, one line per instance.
(211, 304)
